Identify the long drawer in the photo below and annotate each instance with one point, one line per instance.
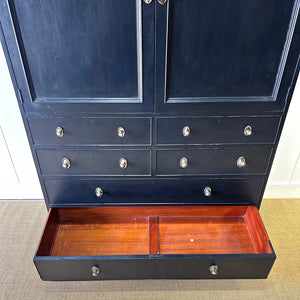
(154, 242)
(176, 162)
(216, 130)
(94, 162)
(101, 191)
(90, 131)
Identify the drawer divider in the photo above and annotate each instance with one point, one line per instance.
(154, 235)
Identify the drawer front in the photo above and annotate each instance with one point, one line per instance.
(212, 161)
(82, 192)
(94, 162)
(239, 266)
(216, 130)
(90, 131)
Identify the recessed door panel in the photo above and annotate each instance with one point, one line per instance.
(211, 53)
(83, 52)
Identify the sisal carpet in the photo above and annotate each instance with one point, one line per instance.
(21, 223)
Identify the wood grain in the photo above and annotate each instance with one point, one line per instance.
(108, 236)
(147, 211)
(257, 231)
(154, 230)
(209, 235)
(49, 232)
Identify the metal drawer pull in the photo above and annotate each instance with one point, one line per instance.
(121, 132)
(186, 131)
(66, 164)
(183, 162)
(207, 191)
(99, 192)
(147, 1)
(95, 271)
(123, 163)
(162, 2)
(248, 130)
(214, 269)
(59, 132)
(241, 162)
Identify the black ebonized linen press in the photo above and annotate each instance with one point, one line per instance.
(153, 125)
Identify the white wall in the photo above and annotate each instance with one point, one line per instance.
(284, 180)
(18, 178)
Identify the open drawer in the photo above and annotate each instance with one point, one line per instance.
(154, 242)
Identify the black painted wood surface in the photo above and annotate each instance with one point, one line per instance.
(95, 162)
(70, 57)
(90, 131)
(73, 49)
(239, 266)
(231, 49)
(137, 191)
(220, 57)
(211, 161)
(216, 130)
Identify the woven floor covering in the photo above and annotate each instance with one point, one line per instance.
(21, 223)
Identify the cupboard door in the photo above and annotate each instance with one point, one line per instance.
(225, 56)
(82, 56)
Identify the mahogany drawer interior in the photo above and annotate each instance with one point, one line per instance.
(154, 230)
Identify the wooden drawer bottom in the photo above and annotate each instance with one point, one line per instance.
(154, 242)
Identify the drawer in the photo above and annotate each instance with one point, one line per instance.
(83, 192)
(94, 162)
(90, 131)
(165, 242)
(217, 130)
(212, 161)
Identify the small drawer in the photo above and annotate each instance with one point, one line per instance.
(164, 242)
(94, 162)
(90, 131)
(212, 161)
(217, 130)
(102, 191)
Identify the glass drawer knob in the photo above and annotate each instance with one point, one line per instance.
(248, 131)
(214, 269)
(186, 131)
(59, 132)
(66, 164)
(207, 191)
(241, 162)
(123, 163)
(183, 162)
(95, 271)
(99, 192)
(121, 132)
